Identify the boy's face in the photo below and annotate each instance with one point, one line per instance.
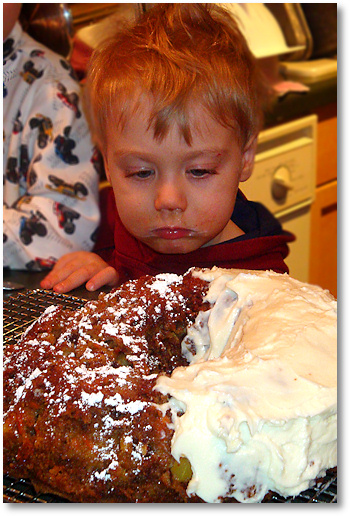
(171, 196)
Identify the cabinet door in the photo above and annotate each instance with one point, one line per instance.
(323, 249)
(327, 150)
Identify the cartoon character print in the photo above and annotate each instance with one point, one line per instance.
(25, 199)
(8, 47)
(23, 161)
(41, 264)
(70, 100)
(77, 190)
(32, 176)
(30, 73)
(30, 226)
(38, 52)
(12, 173)
(67, 66)
(65, 217)
(45, 129)
(60, 144)
(15, 171)
(9, 54)
(17, 124)
(64, 146)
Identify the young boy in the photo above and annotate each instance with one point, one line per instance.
(175, 104)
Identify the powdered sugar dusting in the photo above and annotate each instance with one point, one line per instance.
(161, 284)
(90, 373)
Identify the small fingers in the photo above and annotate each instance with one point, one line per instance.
(77, 278)
(62, 269)
(75, 269)
(107, 276)
(56, 276)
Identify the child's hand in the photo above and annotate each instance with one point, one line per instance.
(74, 269)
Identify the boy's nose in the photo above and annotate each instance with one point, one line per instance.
(170, 196)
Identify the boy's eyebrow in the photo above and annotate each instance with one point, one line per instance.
(219, 152)
(208, 152)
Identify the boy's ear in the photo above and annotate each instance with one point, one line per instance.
(248, 158)
(106, 169)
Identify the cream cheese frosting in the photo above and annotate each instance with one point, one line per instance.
(256, 409)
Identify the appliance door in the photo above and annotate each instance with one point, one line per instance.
(298, 222)
(284, 180)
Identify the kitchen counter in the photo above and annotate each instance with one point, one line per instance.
(31, 280)
(297, 105)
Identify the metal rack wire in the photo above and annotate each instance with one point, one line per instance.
(21, 310)
(22, 491)
(324, 491)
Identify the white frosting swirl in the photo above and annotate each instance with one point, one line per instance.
(256, 409)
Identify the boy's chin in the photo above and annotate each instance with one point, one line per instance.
(174, 247)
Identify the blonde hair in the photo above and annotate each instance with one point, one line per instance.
(176, 54)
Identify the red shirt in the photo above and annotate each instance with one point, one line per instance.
(262, 247)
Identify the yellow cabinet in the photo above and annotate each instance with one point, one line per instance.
(323, 243)
(323, 249)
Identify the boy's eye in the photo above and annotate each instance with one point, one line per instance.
(142, 174)
(200, 172)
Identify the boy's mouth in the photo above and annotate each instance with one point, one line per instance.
(172, 233)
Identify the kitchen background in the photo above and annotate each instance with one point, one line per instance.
(295, 173)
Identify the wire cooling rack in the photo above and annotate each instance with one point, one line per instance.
(21, 310)
(22, 491)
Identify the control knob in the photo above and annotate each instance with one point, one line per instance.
(281, 183)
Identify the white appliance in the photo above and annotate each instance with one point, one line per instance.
(261, 29)
(284, 180)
